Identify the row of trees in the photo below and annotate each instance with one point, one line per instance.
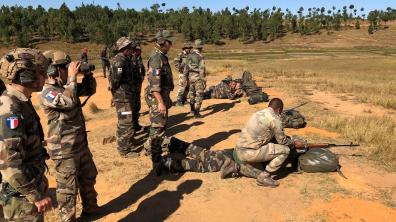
(24, 26)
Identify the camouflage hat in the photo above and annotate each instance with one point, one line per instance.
(22, 59)
(124, 42)
(57, 57)
(187, 45)
(198, 44)
(164, 35)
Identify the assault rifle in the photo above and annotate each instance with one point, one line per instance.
(327, 145)
(293, 108)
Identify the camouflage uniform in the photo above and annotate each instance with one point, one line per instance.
(22, 156)
(141, 72)
(195, 72)
(256, 140)
(159, 80)
(180, 62)
(123, 89)
(223, 90)
(68, 148)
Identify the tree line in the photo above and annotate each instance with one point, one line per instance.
(24, 26)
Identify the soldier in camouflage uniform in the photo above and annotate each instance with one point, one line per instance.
(141, 72)
(123, 89)
(263, 139)
(227, 89)
(180, 62)
(67, 138)
(194, 70)
(160, 84)
(22, 160)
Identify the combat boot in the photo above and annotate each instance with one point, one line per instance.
(173, 165)
(179, 102)
(192, 108)
(264, 179)
(229, 168)
(197, 115)
(158, 167)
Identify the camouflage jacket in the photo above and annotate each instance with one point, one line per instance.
(123, 76)
(260, 130)
(22, 159)
(195, 66)
(66, 124)
(160, 78)
(180, 61)
(224, 91)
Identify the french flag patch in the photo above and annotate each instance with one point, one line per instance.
(51, 95)
(12, 122)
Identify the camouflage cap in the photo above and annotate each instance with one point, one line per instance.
(57, 57)
(198, 44)
(164, 35)
(187, 45)
(23, 59)
(124, 42)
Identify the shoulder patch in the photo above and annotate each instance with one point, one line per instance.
(12, 122)
(156, 72)
(119, 70)
(51, 95)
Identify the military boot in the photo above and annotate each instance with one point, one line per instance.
(158, 167)
(229, 168)
(192, 108)
(173, 165)
(179, 102)
(197, 115)
(264, 179)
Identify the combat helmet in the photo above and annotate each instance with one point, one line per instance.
(198, 44)
(56, 58)
(23, 65)
(162, 36)
(124, 42)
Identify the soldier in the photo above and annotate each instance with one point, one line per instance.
(141, 72)
(160, 84)
(180, 62)
(22, 161)
(194, 70)
(263, 139)
(84, 55)
(226, 89)
(105, 60)
(67, 137)
(123, 89)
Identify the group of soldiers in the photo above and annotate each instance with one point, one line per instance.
(24, 185)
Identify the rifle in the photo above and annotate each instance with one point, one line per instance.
(328, 145)
(293, 108)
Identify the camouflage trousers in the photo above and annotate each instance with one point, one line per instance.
(125, 130)
(203, 160)
(20, 209)
(183, 88)
(74, 174)
(196, 92)
(157, 128)
(275, 153)
(137, 104)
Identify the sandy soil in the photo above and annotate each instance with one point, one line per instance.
(129, 192)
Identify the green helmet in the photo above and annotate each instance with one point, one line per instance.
(29, 62)
(198, 44)
(162, 36)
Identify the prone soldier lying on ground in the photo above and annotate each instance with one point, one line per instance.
(226, 89)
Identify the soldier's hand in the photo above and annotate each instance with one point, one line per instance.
(298, 144)
(44, 204)
(162, 108)
(73, 68)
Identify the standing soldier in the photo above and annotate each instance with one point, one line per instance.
(67, 137)
(180, 62)
(84, 55)
(141, 72)
(160, 84)
(22, 160)
(195, 72)
(105, 60)
(123, 89)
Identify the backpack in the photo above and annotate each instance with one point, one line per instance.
(319, 160)
(293, 119)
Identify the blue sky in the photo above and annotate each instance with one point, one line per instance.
(213, 4)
